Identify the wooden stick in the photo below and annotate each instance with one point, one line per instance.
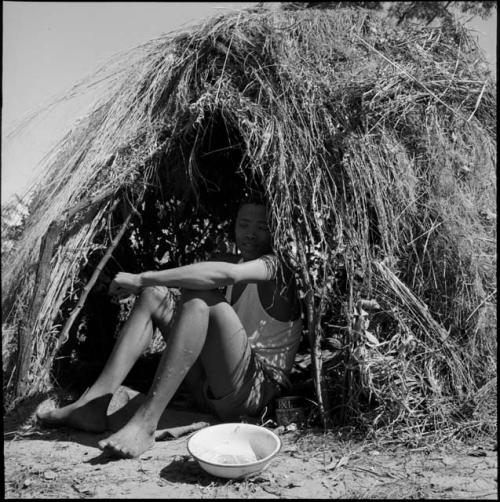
(25, 346)
(71, 319)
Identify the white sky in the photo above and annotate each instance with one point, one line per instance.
(48, 46)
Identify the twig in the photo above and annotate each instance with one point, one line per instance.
(478, 101)
(481, 304)
(411, 76)
(425, 233)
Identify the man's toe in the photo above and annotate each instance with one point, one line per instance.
(102, 444)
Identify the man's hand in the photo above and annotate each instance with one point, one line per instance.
(125, 284)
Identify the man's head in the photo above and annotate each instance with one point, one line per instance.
(252, 234)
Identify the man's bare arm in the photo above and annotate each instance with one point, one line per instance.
(204, 275)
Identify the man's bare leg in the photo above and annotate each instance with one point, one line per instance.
(186, 341)
(89, 411)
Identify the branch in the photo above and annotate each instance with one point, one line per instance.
(313, 320)
(71, 319)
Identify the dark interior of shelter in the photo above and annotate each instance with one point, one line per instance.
(181, 220)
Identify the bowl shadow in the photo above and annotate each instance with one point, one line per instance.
(187, 470)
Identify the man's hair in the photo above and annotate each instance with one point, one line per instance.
(250, 197)
(253, 197)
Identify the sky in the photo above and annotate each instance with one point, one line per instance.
(48, 46)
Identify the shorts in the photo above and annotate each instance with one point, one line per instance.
(253, 386)
(253, 390)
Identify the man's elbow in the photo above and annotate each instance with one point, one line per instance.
(233, 275)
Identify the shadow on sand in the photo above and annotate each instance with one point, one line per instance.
(187, 470)
(23, 424)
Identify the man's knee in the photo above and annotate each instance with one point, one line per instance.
(201, 299)
(153, 295)
(160, 302)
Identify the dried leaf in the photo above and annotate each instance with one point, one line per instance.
(371, 339)
(369, 305)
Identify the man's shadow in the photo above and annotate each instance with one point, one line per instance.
(21, 424)
(174, 422)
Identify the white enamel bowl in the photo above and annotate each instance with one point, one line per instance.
(234, 450)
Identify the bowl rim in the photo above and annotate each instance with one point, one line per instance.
(248, 464)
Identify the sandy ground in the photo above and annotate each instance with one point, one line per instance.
(41, 463)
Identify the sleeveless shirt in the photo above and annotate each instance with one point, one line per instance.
(275, 342)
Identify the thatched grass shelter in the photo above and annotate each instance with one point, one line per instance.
(376, 149)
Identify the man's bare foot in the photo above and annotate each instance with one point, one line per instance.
(130, 441)
(84, 414)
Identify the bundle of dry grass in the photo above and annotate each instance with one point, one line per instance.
(376, 149)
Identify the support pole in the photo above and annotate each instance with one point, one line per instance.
(313, 320)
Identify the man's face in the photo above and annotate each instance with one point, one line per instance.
(252, 232)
